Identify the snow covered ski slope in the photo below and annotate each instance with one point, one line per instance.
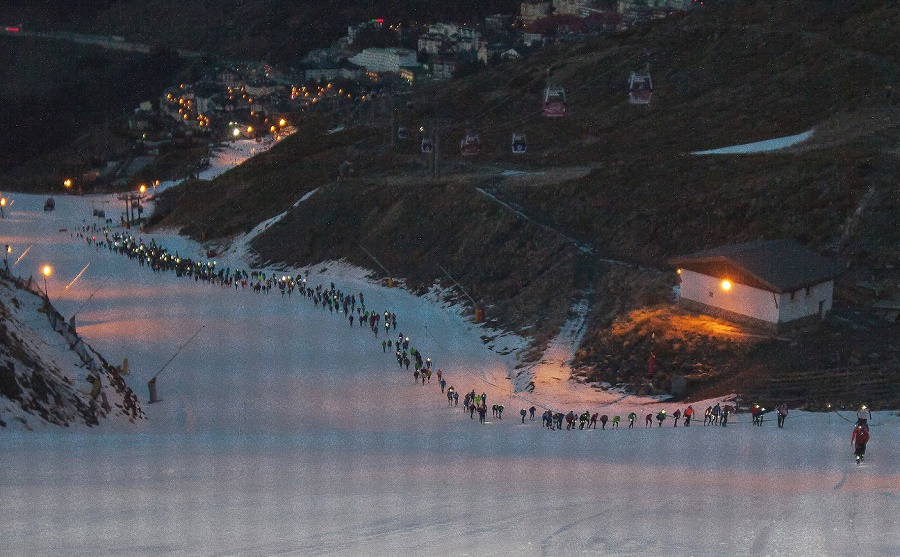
(282, 429)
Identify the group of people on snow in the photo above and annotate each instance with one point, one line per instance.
(353, 308)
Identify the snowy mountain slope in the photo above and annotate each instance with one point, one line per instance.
(284, 430)
(48, 375)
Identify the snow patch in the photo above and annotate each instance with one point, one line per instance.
(306, 196)
(759, 146)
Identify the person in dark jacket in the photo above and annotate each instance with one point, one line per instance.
(782, 411)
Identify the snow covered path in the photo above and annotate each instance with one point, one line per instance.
(284, 431)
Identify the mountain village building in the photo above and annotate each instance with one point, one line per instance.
(531, 10)
(773, 284)
(385, 59)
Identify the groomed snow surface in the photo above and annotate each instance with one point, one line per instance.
(284, 431)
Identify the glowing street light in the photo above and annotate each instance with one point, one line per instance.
(236, 132)
(142, 189)
(67, 183)
(726, 285)
(282, 122)
(2, 205)
(47, 270)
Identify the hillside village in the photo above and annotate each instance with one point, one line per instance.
(257, 100)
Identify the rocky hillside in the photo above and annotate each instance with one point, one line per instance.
(608, 193)
(48, 375)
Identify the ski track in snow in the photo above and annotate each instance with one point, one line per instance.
(284, 431)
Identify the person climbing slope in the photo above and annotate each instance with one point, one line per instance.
(858, 440)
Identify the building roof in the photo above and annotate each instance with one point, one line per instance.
(776, 265)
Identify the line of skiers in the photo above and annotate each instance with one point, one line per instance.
(718, 414)
(159, 259)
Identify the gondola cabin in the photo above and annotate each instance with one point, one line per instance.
(427, 145)
(470, 145)
(640, 88)
(554, 102)
(49, 204)
(519, 145)
(402, 132)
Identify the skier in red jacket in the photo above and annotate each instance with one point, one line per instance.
(688, 414)
(859, 439)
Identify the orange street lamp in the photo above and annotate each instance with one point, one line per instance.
(282, 122)
(46, 271)
(726, 285)
(142, 189)
(67, 183)
(2, 205)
